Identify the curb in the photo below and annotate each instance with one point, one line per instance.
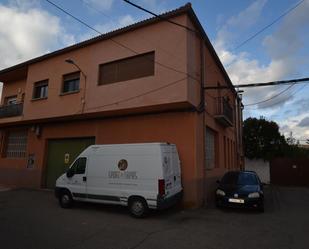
(4, 189)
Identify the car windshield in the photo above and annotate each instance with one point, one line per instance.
(239, 178)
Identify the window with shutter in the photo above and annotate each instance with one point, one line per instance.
(127, 69)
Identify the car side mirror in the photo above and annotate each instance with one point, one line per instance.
(69, 173)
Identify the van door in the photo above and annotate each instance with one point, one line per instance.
(171, 171)
(176, 169)
(78, 181)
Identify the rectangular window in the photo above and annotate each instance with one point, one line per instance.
(71, 82)
(127, 69)
(40, 90)
(16, 144)
(11, 100)
(210, 148)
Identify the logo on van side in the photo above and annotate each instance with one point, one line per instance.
(123, 164)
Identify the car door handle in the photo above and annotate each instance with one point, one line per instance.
(84, 178)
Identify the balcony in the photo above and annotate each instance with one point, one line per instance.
(224, 112)
(11, 110)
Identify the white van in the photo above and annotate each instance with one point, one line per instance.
(139, 176)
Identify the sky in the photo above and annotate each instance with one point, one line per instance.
(29, 28)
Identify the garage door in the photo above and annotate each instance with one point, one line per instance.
(61, 153)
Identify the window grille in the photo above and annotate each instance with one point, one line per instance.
(16, 145)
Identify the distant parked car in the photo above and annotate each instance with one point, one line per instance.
(240, 189)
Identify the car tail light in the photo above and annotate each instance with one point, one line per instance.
(161, 184)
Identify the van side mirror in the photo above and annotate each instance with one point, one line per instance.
(70, 173)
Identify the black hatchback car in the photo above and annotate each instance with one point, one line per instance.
(240, 189)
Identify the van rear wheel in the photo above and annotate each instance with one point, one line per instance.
(138, 207)
(65, 199)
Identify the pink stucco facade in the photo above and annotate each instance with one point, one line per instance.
(169, 106)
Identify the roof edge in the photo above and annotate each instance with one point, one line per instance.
(173, 13)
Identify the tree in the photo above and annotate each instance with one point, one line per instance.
(291, 140)
(262, 139)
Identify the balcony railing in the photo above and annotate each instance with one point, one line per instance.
(224, 112)
(11, 110)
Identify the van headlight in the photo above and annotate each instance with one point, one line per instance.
(220, 192)
(254, 195)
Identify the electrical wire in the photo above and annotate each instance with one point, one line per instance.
(280, 101)
(160, 17)
(269, 25)
(139, 95)
(242, 43)
(274, 96)
(259, 84)
(262, 30)
(89, 5)
(118, 43)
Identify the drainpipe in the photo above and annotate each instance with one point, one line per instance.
(201, 110)
(201, 107)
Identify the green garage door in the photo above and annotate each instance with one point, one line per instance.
(61, 153)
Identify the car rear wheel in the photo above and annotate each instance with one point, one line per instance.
(65, 199)
(138, 207)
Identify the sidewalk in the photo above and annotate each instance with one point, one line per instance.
(3, 188)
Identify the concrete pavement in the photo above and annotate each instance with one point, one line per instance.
(34, 220)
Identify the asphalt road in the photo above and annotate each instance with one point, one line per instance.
(33, 220)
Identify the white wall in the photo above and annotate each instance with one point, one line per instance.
(261, 167)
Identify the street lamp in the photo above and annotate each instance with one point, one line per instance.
(70, 61)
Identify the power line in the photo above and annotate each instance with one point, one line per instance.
(93, 8)
(280, 101)
(269, 25)
(271, 83)
(139, 95)
(158, 16)
(274, 96)
(295, 81)
(121, 25)
(263, 29)
(118, 43)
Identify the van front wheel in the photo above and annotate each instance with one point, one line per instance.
(65, 199)
(138, 207)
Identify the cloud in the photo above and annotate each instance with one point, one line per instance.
(304, 122)
(283, 48)
(121, 22)
(27, 31)
(244, 20)
(291, 124)
(101, 4)
(109, 26)
(156, 6)
(248, 17)
(24, 4)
